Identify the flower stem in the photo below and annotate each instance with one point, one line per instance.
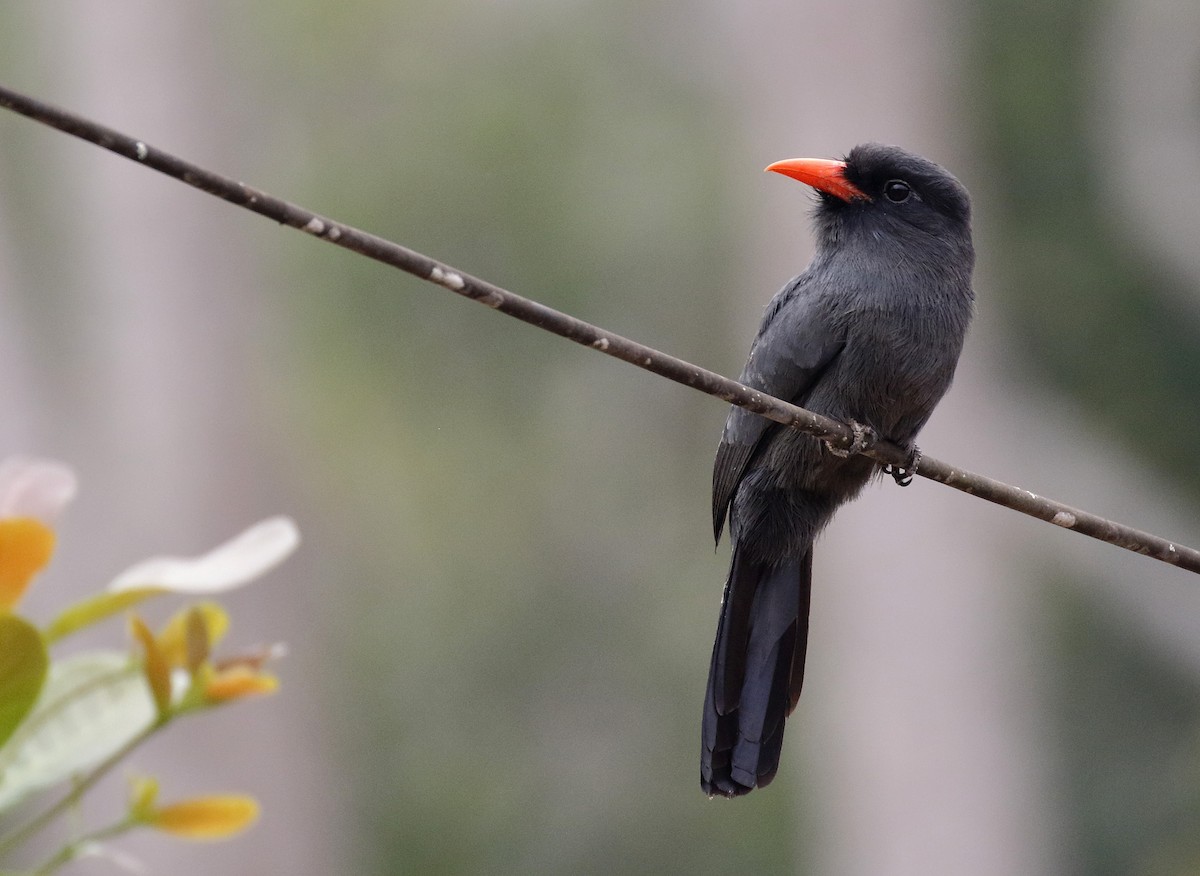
(38, 823)
(72, 850)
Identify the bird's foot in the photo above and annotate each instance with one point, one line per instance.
(903, 475)
(864, 437)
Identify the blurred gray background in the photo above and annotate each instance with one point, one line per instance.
(500, 618)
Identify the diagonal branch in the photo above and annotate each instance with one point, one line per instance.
(569, 327)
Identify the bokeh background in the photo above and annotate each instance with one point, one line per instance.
(500, 619)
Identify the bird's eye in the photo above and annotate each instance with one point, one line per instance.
(897, 191)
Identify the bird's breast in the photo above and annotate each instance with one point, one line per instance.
(897, 364)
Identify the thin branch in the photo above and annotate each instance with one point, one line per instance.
(38, 823)
(569, 327)
(77, 847)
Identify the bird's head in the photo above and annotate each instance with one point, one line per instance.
(885, 193)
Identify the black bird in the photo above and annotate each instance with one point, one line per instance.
(869, 335)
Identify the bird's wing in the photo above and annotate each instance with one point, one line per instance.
(795, 344)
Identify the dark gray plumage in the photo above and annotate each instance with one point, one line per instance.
(869, 333)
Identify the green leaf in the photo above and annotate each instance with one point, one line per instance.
(23, 664)
(94, 609)
(92, 705)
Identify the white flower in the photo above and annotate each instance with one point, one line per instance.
(37, 488)
(238, 561)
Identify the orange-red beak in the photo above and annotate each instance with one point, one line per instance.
(822, 174)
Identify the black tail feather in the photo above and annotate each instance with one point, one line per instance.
(756, 674)
(733, 631)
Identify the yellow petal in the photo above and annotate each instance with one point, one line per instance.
(197, 639)
(238, 682)
(156, 668)
(174, 639)
(207, 818)
(25, 548)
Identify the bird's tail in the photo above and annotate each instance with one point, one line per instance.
(756, 672)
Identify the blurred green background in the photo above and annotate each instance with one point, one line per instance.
(500, 620)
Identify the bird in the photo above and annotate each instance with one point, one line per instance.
(869, 334)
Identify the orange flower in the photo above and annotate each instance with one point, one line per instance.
(212, 817)
(32, 494)
(238, 681)
(182, 651)
(25, 548)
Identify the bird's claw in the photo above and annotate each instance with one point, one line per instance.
(864, 437)
(903, 476)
